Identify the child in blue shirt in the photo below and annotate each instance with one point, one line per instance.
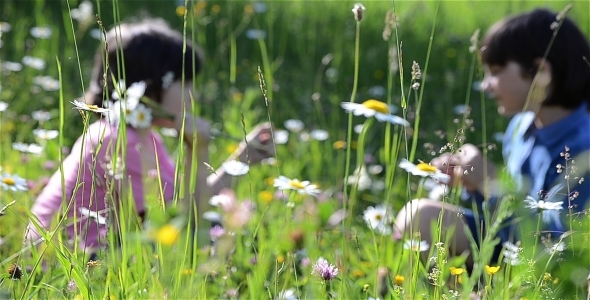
(542, 81)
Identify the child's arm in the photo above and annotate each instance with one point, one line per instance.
(469, 167)
(256, 147)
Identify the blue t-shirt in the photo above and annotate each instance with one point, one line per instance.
(532, 156)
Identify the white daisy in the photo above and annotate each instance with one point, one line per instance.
(132, 94)
(235, 167)
(85, 212)
(46, 134)
(511, 253)
(541, 205)
(5, 27)
(11, 66)
(27, 148)
(34, 62)
(555, 248)
(374, 108)
(220, 200)
(375, 169)
(319, 134)
(360, 177)
(167, 79)
(304, 136)
(13, 182)
(170, 132)
(294, 125)
(302, 187)
(83, 14)
(379, 218)
(290, 294)
(281, 137)
(41, 32)
(41, 116)
(47, 83)
(424, 170)
(140, 117)
(83, 106)
(3, 106)
(358, 128)
(415, 245)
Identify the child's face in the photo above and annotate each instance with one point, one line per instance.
(507, 85)
(178, 97)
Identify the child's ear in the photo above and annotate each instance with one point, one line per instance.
(542, 76)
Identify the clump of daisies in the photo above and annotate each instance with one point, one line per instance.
(127, 103)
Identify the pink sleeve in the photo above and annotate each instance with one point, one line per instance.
(135, 172)
(167, 168)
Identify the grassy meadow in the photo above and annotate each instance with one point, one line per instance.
(291, 63)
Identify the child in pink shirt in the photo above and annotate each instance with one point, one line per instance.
(101, 174)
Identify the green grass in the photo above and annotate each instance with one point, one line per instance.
(274, 251)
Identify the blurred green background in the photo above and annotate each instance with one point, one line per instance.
(297, 36)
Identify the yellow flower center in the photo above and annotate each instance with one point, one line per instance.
(399, 280)
(378, 217)
(376, 106)
(296, 184)
(141, 117)
(457, 271)
(492, 270)
(92, 107)
(426, 167)
(167, 235)
(8, 181)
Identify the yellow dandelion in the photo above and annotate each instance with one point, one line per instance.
(339, 145)
(358, 273)
(198, 8)
(215, 9)
(231, 148)
(492, 270)
(180, 11)
(547, 276)
(237, 97)
(457, 271)
(281, 259)
(167, 235)
(265, 196)
(398, 280)
(248, 9)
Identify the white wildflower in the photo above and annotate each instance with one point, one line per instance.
(302, 187)
(374, 108)
(235, 167)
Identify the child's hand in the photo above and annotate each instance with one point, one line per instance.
(466, 166)
(258, 145)
(194, 125)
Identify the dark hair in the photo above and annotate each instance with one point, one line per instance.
(150, 49)
(526, 37)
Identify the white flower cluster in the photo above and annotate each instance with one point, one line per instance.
(127, 101)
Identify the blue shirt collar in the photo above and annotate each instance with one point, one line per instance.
(554, 132)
